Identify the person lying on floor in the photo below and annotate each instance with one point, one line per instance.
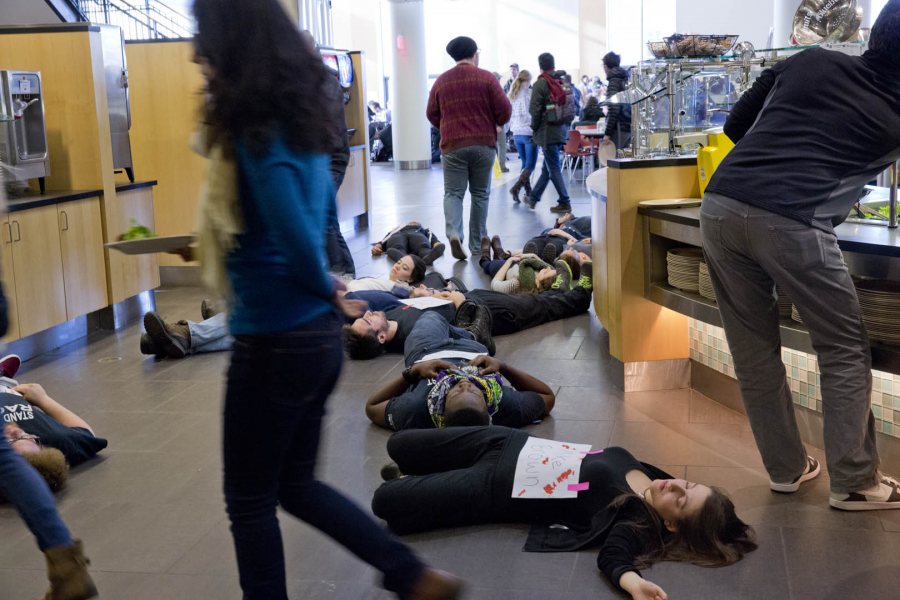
(408, 271)
(412, 239)
(48, 435)
(527, 273)
(450, 380)
(386, 330)
(634, 512)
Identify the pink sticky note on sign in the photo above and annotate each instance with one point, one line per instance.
(593, 452)
(579, 487)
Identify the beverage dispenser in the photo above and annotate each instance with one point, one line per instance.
(23, 135)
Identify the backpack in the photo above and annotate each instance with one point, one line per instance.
(564, 112)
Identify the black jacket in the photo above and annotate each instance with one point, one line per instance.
(617, 82)
(810, 133)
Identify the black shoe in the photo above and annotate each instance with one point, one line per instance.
(465, 314)
(497, 247)
(390, 472)
(174, 338)
(530, 248)
(148, 347)
(207, 310)
(436, 252)
(529, 201)
(561, 208)
(481, 326)
(458, 284)
(456, 249)
(549, 253)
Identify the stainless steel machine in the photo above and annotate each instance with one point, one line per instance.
(117, 96)
(23, 134)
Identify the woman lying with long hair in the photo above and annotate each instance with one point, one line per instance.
(636, 513)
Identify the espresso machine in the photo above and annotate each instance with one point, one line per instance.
(23, 135)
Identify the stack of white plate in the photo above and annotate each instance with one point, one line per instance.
(684, 268)
(785, 306)
(795, 315)
(705, 283)
(879, 301)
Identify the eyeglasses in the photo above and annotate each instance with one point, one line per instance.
(23, 436)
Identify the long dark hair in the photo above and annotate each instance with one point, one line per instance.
(268, 80)
(713, 537)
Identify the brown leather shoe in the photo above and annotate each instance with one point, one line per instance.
(497, 247)
(68, 575)
(456, 249)
(435, 584)
(174, 338)
(485, 248)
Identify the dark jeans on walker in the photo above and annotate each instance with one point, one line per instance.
(28, 492)
(749, 250)
(274, 404)
(340, 260)
(551, 171)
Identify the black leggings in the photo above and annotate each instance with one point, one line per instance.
(455, 477)
(514, 312)
(407, 242)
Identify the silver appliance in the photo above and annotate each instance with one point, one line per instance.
(116, 74)
(23, 133)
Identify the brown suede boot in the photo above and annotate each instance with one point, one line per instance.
(485, 249)
(522, 181)
(497, 247)
(67, 572)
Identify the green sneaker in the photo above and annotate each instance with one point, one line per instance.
(585, 282)
(563, 276)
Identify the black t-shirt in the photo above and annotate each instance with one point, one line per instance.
(406, 317)
(409, 410)
(76, 443)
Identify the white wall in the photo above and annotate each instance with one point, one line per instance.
(749, 19)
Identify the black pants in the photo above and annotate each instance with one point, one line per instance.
(407, 241)
(515, 312)
(458, 476)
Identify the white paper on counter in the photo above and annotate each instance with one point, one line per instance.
(425, 302)
(545, 469)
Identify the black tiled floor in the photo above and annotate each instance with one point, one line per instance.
(152, 516)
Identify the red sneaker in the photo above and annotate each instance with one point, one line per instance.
(9, 365)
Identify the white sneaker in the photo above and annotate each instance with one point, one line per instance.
(812, 470)
(885, 495)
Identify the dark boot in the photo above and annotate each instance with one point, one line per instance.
(481, 326)
(148, 346)
(436, 252)
(433, 584)
(526, 181)
(67, 572)
(485, 248)
(174, 338)
(499, 252)
(208, 309)
(520, 182)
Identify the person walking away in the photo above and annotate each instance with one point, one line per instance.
(520, 125)
(467, 104)
(263, 235)
(618, 117)
(550, 132)
(340, 260)
(768, 219)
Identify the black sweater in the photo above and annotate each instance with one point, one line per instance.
(810, 133)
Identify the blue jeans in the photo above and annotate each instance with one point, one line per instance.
(28, 492)
(432, 333)
(470, 167)
(274, 404)
(527, 151)
(210, 335)
(340, 260)
(551, 171)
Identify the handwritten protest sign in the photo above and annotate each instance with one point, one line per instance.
(547, 469)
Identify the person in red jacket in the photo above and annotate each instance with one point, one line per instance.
(468, 106)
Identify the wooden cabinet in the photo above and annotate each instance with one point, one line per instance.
(37, 267)
(351, 196)
(84, 267)
(9, 280)
(130, 275)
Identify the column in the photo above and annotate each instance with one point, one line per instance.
(592, 37)
(411, 133)
(784, 22)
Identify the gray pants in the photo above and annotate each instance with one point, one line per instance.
(470, 167)
(749, 250)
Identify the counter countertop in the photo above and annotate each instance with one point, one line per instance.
(853, 237)
(649, 163)
(35, 200)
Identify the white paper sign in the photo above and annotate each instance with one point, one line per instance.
(425, 302)
(547, 469)
(445, 354)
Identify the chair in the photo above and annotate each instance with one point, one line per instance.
(574, 151)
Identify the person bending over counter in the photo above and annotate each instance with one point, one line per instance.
(634, 512)
(450, 380)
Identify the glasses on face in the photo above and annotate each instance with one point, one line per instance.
(18, 437)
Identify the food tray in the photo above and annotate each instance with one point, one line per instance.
(660, 49)
(695, 45)
(163, 243)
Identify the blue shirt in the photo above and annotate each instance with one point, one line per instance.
(278, 270)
